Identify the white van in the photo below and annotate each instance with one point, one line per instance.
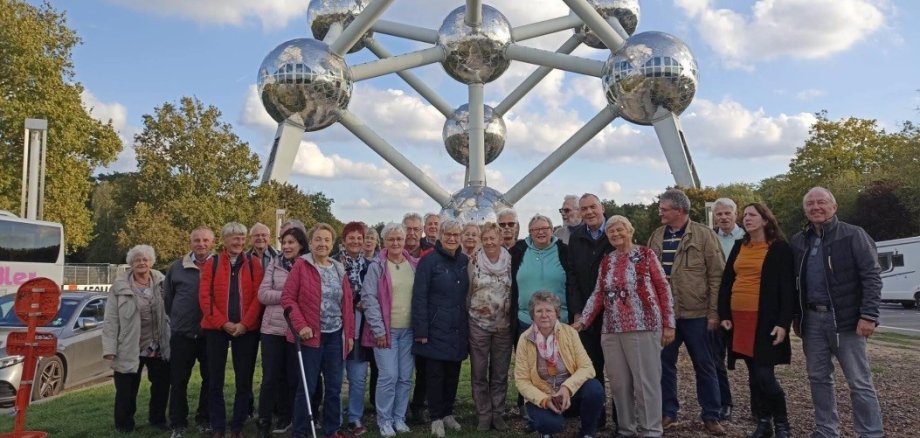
(900, 262)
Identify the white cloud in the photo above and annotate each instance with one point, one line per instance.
(804, 29)
(116, 113)
(809, 94)
(310, 161)
(253, 114)
(272, 14)
(611, 189)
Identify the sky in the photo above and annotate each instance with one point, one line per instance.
(766, 67)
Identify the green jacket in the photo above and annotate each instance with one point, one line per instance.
(121, 334)
(696, 273)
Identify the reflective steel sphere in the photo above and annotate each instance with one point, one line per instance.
(302, 80)
(475, 204)
(322, 13)
(626, 11)
(475, 55)
(456, 135)
(652, 70)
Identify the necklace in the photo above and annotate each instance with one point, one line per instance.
(147, 284)
(396, 264)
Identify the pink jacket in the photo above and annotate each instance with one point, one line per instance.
(270, 290)
(377, 297)
(303, 295)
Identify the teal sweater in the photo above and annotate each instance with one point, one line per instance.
(540, 270)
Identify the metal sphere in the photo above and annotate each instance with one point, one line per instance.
(475, 204)
(321, 14)
(652, 70)
(475, 55)
(456, 134)
(624, 11)
(303, 81)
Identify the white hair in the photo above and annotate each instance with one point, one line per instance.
(725, 202)
(570, 198)
(252, 229)
(233, 229)
(412, 216)
(819, 189)
(141, 251)
(450, 224)
(391, 228)
(540, 217)
(507, 211)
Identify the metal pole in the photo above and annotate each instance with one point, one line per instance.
(564, 152)
(477, 141)
(518, 93)
(601, 27)
(35, 151)
(561, 61)
(392, 156)
(407, 31)
(547, 27)
(24, 196)
(43, 165)
(473, 17)
(674, 145)
(359, 26)
(420, 87)
(335, 30)
(397, 63)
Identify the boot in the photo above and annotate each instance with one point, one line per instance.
(782, 427)
(764, 428)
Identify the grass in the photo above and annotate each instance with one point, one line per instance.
(897, 339)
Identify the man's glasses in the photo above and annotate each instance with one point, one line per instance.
(507, 224)
(565, 210)
(415, 229)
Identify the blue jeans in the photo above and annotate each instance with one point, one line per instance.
(587, 403)
(695, 334)
(821, 342)
(328, 358)
(396, 365)
(357, 383)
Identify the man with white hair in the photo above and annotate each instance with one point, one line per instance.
(259, 238)
(725, 212)
(508, 222)
(571, 218)
(432, 224)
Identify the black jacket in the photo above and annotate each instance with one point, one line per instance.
(851, 268)
(180, 296)
(517, 256)
(774, 308)
(439, 310)
(584, 259)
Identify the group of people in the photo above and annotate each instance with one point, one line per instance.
(575, 303)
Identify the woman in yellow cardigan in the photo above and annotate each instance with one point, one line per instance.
(553, 372)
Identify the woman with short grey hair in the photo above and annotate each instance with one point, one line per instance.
(136, 335)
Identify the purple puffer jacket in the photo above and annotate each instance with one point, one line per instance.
(270, 295)
(377, 298)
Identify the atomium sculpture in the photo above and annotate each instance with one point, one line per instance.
(649, 78)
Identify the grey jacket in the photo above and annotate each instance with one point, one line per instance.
(180, 295)
(851, 267)
(121, 333)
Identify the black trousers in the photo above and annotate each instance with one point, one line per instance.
(420, 392)
(718, 338)
(443, 378)
(280, 377)
(591, 340)
(127, 385)
(245, 348)
(767, 398)
(184, 351)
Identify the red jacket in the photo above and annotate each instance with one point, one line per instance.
(214, 310)
(303, 295)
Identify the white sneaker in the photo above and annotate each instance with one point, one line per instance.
(451, 422)
(401, 427)
(387, 431)
(437, 428)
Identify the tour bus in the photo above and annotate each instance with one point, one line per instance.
(29, 249)
(900, 262)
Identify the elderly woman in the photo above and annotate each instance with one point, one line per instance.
(634, 295)
(756, 304)
(469, 239)
(136, 335)
(279, 360)
(439, 322)
(490, 316)
(537, 263)
(387, 298)
(356, 364)
(553, 372)
(371, 243)
(318, 293)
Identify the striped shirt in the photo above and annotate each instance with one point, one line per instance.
(669, 247)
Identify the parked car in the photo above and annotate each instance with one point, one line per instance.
(900, 263)
(78, 327)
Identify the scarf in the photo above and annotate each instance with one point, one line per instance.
(547, 347)
(287, 264)
(354, 266)
(500, 267)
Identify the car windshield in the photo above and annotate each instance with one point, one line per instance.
(9, 318)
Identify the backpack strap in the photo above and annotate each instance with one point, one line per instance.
(213, 274)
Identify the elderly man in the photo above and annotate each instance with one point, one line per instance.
(432, 223)
(571, 218)
(228, 296)
(508, 222)
(725, 212)
(840, 289)
(259, 237)
(180, 295)
(587, 246)
(692, 259)
(415, 243)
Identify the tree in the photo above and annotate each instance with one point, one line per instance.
(882, 214)
(37, 81)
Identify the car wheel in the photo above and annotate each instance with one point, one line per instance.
(908, 304)
(49, 378)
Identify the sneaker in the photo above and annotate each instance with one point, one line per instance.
(401, 426)
(178, 432)
(714, 428)
(499, 423)
(282, 426)
(357, 429)
(451, 423)
(437, 428)
(485, 423)
(204, 428)
(668, 422)
(387, 431)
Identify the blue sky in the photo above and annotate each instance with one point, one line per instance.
(766, 67)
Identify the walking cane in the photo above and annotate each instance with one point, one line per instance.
(303, 373)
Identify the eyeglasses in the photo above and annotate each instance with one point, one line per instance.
(539, 230)
(565, 210)
(507, 224)
(415, 229)
(451, 235)
(665, 209)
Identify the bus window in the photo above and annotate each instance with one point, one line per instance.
(25, 242)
